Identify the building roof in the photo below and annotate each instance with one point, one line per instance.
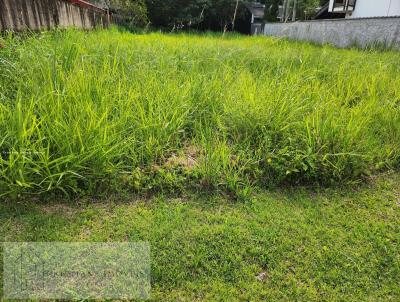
(257, 9)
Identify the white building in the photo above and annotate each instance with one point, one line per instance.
(365, 8)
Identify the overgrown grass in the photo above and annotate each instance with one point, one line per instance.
(83, 113)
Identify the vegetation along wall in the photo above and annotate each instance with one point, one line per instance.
(45, 14)
(361, 32)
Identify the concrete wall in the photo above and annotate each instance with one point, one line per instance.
(340, 32)
(256, 28)
(45, 14)
(374, 8)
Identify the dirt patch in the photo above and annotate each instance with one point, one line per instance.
(186, 159)
(11, 229)
(59, 209)
(262, 276)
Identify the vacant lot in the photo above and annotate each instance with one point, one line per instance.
(105, 117)
(83, 113)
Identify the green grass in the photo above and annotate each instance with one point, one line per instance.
(104, 111)
(100, 115)
(325, 245)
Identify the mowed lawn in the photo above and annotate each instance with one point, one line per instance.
(303, 244)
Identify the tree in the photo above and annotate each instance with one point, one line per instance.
(134, 12)
(222, 14)
(292, 9)
(176, 13)
(308, 8)
(203, 14)
(272, 10)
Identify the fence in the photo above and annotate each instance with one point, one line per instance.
(342, 33)
(19, 15)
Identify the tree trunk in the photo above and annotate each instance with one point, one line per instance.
(287, 10)
(294, 10)
(234, 15)
(284, 10)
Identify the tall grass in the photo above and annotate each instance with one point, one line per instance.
(85, 113)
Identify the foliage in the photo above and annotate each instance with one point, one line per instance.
(272, 10)
(199, 14)
(220, 13)
(175, 12)
(305, 8)
(206, 14)
(87, 112)
(132, 12)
